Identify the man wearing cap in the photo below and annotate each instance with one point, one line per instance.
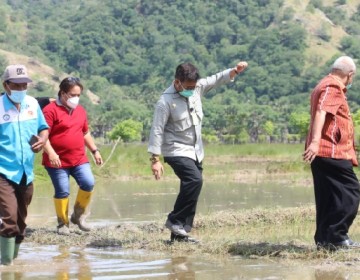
(23, 132)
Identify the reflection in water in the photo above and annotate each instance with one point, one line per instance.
(62, 263)
(63, 273)
(181, 269)
(116, 202)
(63, 253)
(337, 274)
(11, 275)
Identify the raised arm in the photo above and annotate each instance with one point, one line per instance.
(240, 67)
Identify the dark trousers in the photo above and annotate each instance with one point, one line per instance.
(14, 202)
(189, 172)
(337, 198)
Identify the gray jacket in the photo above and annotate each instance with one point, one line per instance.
(176, 128)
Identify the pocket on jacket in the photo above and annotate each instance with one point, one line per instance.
(181, 120)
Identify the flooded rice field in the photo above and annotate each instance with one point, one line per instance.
(61, 263)
(143, 201)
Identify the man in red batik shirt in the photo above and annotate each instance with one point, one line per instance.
(330, 149)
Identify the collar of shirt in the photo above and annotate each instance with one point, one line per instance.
(342, 85)
(58, 102)
(7, 103)
(171, 90)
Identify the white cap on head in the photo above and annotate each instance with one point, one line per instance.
(16, 74)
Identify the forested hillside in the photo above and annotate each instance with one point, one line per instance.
(126, 52)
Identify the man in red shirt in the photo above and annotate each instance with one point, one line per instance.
(65, 153)
(330, 149)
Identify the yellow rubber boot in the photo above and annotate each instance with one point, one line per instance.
(81, 205)
(62, 210)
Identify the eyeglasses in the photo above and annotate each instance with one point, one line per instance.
(186, 88)
(69, 81)
(72, 79)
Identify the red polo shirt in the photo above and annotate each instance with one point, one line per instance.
(337, 137)
(66, 134)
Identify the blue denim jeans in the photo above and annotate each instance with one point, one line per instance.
(60, 178)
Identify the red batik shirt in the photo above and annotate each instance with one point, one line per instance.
(337, 136)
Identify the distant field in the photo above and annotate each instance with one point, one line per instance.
(132, 161)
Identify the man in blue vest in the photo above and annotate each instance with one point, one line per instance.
(23, 132)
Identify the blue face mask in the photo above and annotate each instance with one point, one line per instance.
(17, 96)
(348, 86)
(187, 92)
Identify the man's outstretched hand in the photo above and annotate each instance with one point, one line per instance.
(241, 66)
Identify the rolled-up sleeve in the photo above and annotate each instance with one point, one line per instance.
(160, 119)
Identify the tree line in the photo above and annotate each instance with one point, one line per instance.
(126, 53)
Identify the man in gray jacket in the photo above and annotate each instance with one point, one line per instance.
(176, 134)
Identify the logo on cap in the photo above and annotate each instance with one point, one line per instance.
(16, 74)
(20, 71)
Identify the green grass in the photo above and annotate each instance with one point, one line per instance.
(277, 150)
(222, 162)
(132, 161)
(285, 233)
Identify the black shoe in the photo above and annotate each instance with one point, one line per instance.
(320, 246)
(176, 229)
(345, 244)
(180, 238)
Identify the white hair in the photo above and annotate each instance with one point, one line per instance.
(344, 64)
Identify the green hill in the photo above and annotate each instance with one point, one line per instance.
(126, 52)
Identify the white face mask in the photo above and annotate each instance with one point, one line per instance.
(72, 102)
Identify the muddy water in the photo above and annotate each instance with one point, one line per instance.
(146, 200)
(143, 201)
(61, 263)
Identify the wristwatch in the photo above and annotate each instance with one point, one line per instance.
(154, 159)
